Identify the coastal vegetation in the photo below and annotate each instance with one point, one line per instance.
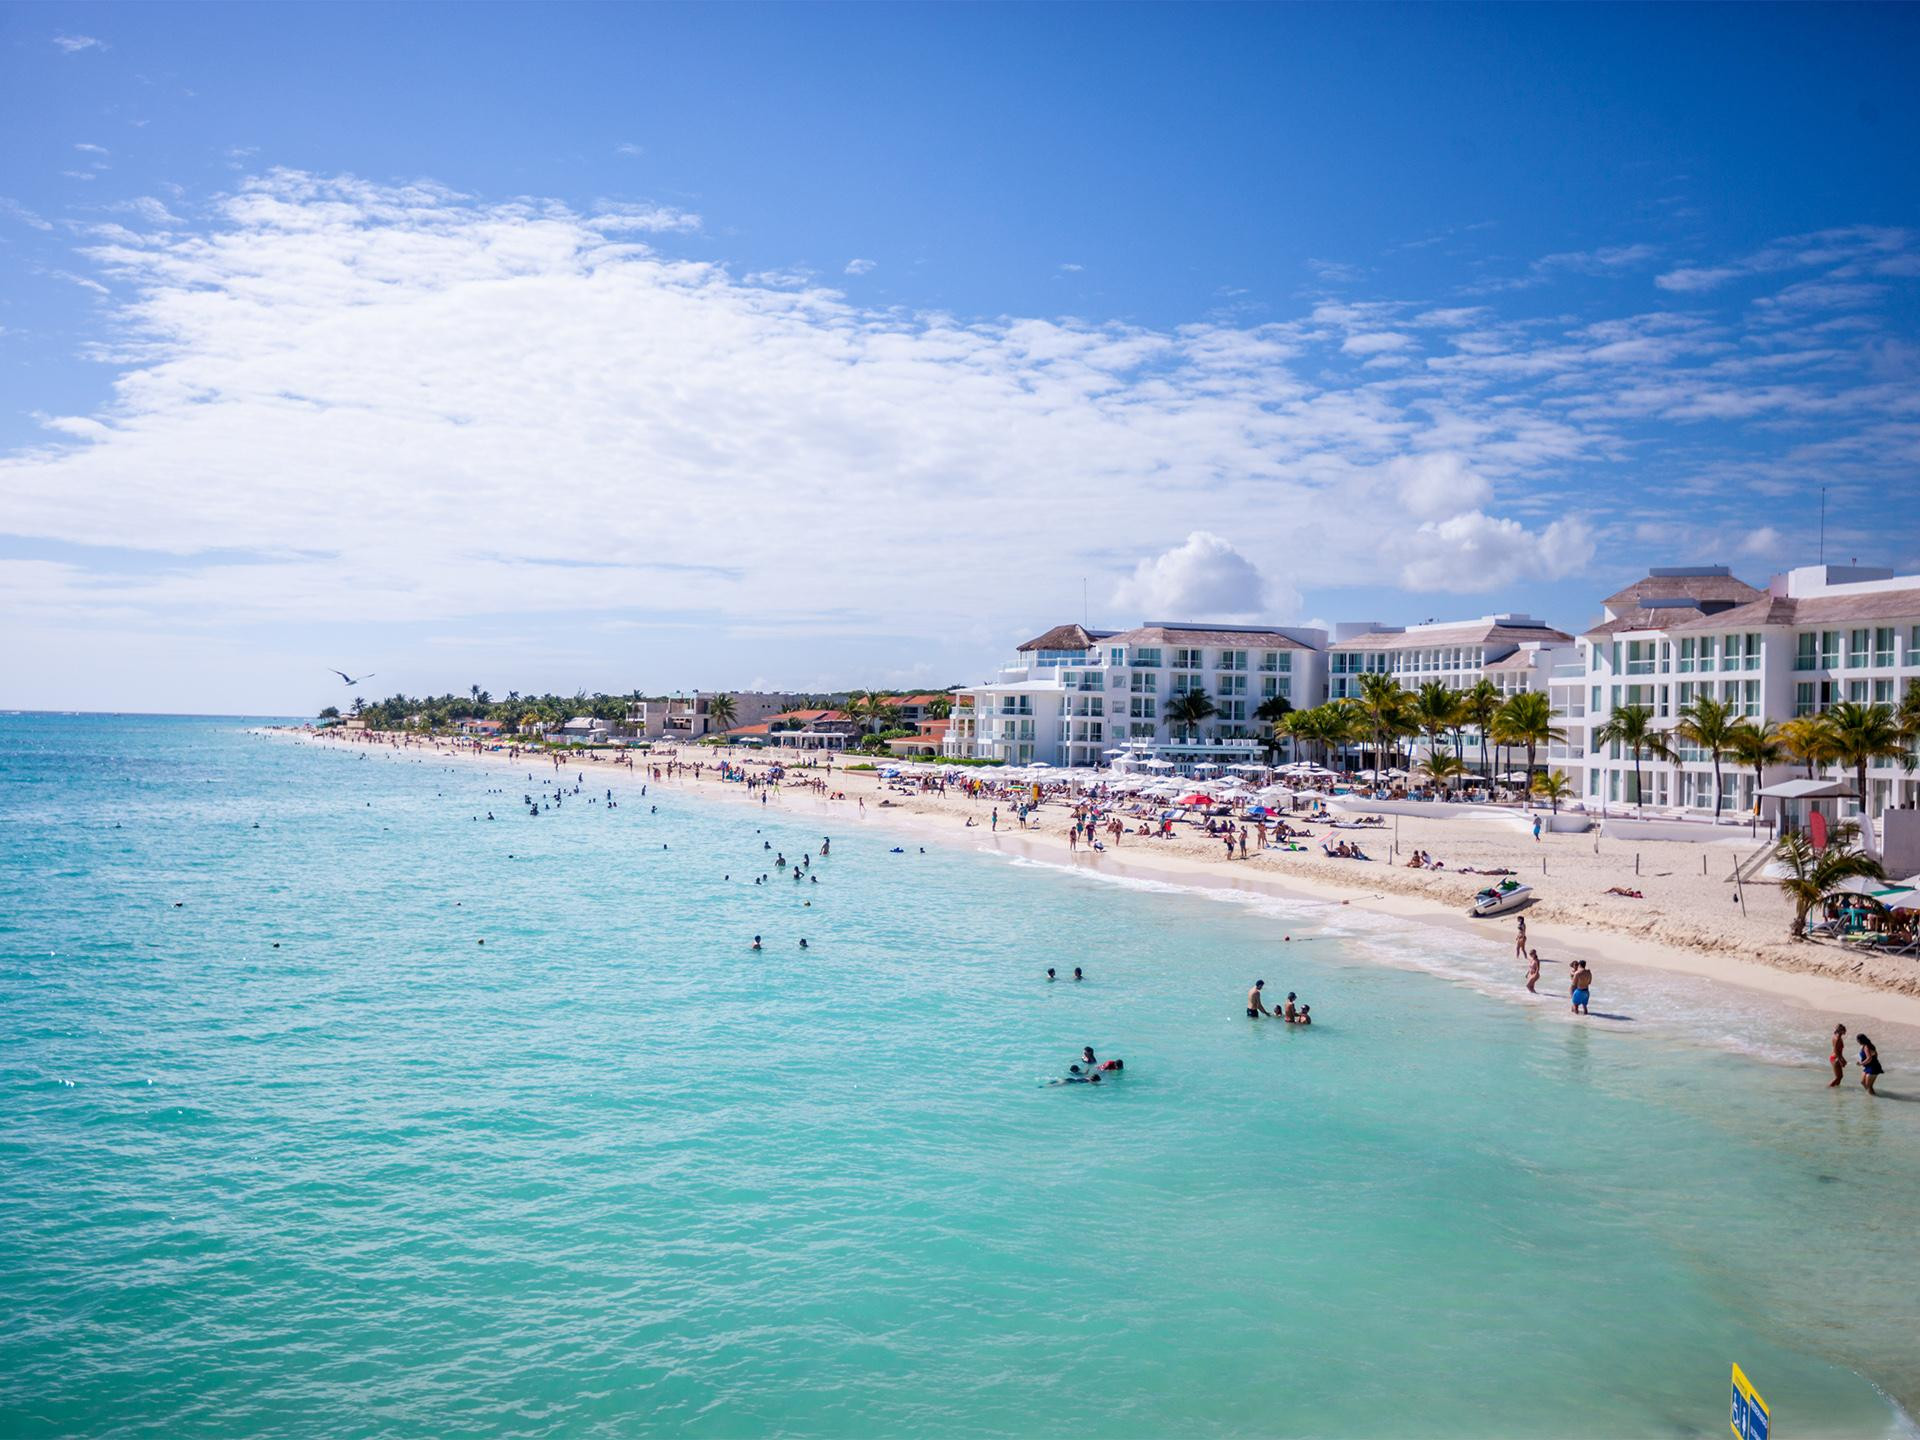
(1810, 874)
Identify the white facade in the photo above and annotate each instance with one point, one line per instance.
(1816, 636)
(1515, 652)
(689, 716)
(1074, 695)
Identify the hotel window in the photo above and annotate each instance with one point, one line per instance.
(1149, 658)
(1750, 703)
(1913, 646)
(1829, 649)
(1685, 697)
(1857, 691)
(1708, 643)
(1857, 649)
(1286, 661)
(1231, 685)
(1730, 653)
(1142, 732)
(1143, 707)
(1186, 660)
(1883, 692)
(1116, 656)
(1883, 647)
(1233, 659)
(1753, 650)
(1806, 651)
(1145, 682)
(1686, 657)
(1803, 698)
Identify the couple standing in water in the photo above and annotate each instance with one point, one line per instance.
(1870, 1068)
(1579, 973)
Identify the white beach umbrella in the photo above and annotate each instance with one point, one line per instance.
(1858, 885)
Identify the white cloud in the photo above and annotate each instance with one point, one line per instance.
(1763, 543)
(410, 406)
(630, 150)
(1689, 279)
(860, 267)
(74, 44)
(1203, 578)
(1375, 342)
(1479, 552)
(1437, 484)
(21, 213)
(88, 149)
(616, 216)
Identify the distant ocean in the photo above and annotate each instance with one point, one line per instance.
(285, 1150)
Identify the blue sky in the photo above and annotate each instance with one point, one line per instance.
(622, 347)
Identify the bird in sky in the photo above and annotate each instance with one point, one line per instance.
(349, 679)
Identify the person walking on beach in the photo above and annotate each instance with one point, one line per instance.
(1870, 1070)
(1838, 1058)
(1582, 986)
(1533, 971)
(1520, 940)
(1255, 1006)
(1536, 829)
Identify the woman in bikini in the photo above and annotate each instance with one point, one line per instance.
(1838, 1059)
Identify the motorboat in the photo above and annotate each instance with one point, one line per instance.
(1499, 899)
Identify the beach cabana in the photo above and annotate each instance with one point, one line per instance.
(1798, 801)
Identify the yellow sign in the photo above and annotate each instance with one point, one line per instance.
(1750, 1419)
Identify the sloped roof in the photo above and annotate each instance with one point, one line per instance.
(1667, 617)
(1066, 637)
(1518, 660)
(1471, 632)
(1709, 589)
(1816, 610)
(1231, 639)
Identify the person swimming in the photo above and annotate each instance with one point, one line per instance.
(756, 942)
(1076, 973)
(1050, 975)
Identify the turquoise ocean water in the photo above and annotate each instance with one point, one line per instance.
(612, 1174)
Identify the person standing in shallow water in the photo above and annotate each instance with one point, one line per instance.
(1520, 939)
(1870, 1069)
(1533, 971)
(1838, 1059)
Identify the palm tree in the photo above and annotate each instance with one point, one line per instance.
(1526, 719)
(1633, 727)
(1553, 786)
(1383, 705)
(721, 709)
(1859, 735)
(1188, 709)
(1477, 708)
(1757, 746)
(940, 707)
(1710, 724)
(1443, 767)
(1435, 710)
(1270, 713)
(1808, 739)
(1813, 875)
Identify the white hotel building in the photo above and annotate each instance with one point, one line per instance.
(1814, 637)
(1074, 694)
(1515, 652)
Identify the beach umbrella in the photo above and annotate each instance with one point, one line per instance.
(1909, 900)
(1857, 885)
(1197, 799)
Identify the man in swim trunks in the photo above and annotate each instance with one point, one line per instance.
(1582, 987)
(1255, 1006)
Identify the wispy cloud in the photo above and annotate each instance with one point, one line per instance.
(860, 267)
(630, 150)
(74, 44)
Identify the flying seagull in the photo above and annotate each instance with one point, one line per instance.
(349, 679)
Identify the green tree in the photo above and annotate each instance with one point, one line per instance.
(1271, 711)
(1633, 727)
(1812, 875)
(1757, 747)
(1553, 787)
(1187, 710)
(1477, 708)
(1861, 734)
(721, 709)
(1382, 704)
(1710, 724)
(1435, 710)
(1443, 767)
(1808, 739)
(940, 707)
(1526, 720)
(332, 712)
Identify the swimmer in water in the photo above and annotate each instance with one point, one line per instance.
(1051, 977)
(803, 942)
(1256, 1006)
(1076, 973)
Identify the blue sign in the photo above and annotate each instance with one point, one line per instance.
(1750, 1417)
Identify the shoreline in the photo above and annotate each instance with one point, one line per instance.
(1830, 991)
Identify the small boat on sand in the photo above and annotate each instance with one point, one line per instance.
(1499, 899)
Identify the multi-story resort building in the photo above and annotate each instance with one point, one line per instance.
(1816, 636)
(690, 715)
(1081, 697)
(1515, 652)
